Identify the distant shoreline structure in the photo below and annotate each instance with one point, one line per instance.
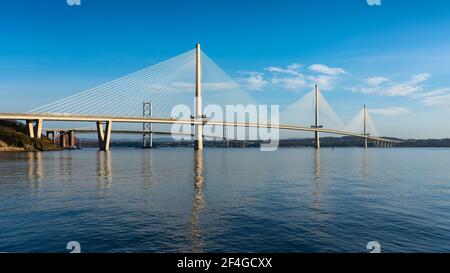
(328, 142)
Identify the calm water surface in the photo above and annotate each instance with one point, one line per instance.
(235, 200)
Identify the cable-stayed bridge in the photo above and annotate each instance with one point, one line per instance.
(148, 98)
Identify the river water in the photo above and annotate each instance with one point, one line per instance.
(226, 200)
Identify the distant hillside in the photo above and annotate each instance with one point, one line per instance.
(13, 137)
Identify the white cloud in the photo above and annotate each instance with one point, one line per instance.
(390, 111)
(291, 83)
(384, 87)
(433, 93)
(376, 81)
(414, 88)
(292, 69)
(325, 82)
(254, 81)
(293, 77)
(323, 69)
(438, 101)
(420, 78)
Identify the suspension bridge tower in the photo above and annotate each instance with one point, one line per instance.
(316, 115)
(365, 127)
(198, 141)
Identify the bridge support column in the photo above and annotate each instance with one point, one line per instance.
(30, 128)
(198, 141)
(225, 139)
(104, 135)
(62, 139)
(38, 129)
(34, 131)
(316, 138)
(71, 139)
(365, 128)
(147, 112)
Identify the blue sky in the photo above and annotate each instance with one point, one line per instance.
(394, 57)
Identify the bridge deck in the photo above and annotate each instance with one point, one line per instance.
(88, 118)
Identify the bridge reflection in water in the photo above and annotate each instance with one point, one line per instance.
(35, 169)
(317, 190)
(60, 163)
(198, 203)
(105, 181)
(104, 170)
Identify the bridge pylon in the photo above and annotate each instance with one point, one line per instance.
(365, 127)
(198, 141)
(316, 115)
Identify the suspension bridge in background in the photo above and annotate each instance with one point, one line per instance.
(146, 99)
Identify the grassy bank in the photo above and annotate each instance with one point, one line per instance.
(13, 137)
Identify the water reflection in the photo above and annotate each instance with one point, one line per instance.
(65, 165)
(147, 168)
(104, 170)
(34, 169)
(365, 169)
(317, 187)
(198, 203)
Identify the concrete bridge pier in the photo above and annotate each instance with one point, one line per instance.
(62, 139)
(365, 128)
(71, 135)
(104, 135)
(34, 130)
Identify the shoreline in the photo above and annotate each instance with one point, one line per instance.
(12, 149)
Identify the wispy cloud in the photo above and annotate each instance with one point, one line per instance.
(376, 81)
(293, 77)
(292, 69)
(438, 101)
(432, 93)
(253, 81)
(390, 111)
(290, 83)
(385, 87)
(324, 69)
(414, 88)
